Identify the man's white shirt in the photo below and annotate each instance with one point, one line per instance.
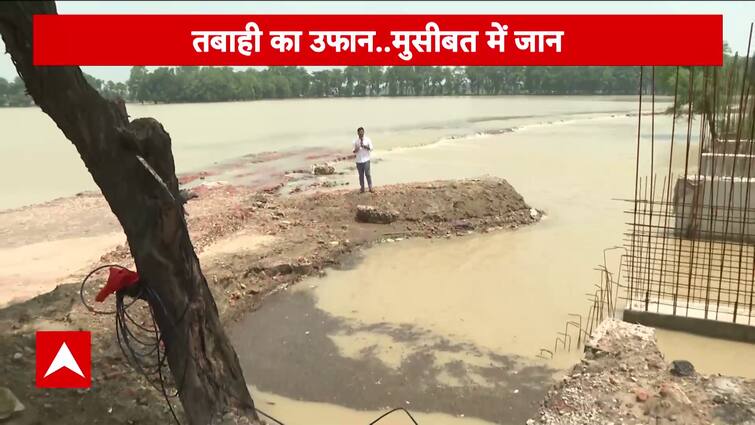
(363, 154)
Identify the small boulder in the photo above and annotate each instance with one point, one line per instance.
(682, 368)
(187, 195)
(370, 214)
(323, 169)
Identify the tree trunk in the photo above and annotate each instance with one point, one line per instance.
(199, 354)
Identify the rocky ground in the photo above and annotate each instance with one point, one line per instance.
(624, 379)
(270, 241)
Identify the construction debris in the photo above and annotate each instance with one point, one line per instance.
(623, 379)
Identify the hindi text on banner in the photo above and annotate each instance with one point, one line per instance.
(244, 42)
(342, 41)
(497, 37)
(285, 41)
(535, 41)
(433, 40)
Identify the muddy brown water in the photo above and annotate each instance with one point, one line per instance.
(453, 326)
(37, 163)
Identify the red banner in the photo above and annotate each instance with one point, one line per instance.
(378, 40)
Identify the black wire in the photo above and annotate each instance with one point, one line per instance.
(371, 423)
(138, 342)
(128, 339)
(391, 411)
(268, 416)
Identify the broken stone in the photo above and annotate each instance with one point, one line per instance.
(187, 195)
(463, 225)
(674, 392)
(323, 169)
(370, 214)
(282, 268)
(682, 368)
(641, 395)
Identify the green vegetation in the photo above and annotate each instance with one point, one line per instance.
(13, 93)
(210, 84)
(221, 84)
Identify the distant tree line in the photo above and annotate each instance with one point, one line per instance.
(221, 84)
(13, 93)
(217, 84)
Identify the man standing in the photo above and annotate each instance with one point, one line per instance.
(362, 148)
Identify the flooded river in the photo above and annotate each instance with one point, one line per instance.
(454, 326)
(37, 163)
(448, 329)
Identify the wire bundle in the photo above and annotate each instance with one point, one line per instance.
(142, 344)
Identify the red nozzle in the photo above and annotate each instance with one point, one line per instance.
(119, 279)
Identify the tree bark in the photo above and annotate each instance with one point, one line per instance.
(201, 358)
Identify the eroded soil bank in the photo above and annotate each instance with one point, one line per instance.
(251, 244)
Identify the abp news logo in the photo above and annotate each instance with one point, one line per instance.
(64, 359)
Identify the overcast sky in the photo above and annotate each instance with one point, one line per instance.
(737, 14)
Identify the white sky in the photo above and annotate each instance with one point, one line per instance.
(737, 14)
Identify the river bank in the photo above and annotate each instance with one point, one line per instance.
(251, 244)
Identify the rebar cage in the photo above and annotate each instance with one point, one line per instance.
(690, 244)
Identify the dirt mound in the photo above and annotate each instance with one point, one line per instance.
(303, 235)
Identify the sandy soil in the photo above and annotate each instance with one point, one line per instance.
(251, 243)
(29, 270)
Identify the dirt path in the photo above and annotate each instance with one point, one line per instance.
(251, 243)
